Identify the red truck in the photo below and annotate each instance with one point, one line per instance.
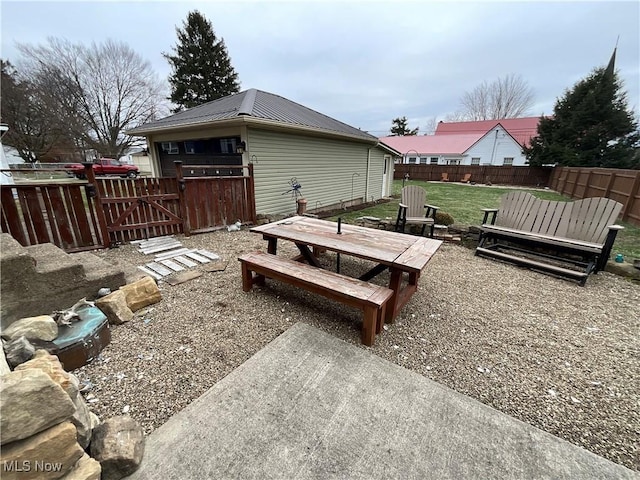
(104, 166)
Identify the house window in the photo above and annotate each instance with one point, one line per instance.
(453, 161)
(423, 160)
(475, 160)
(170, 148)
(227, 145)
(508, 161)
(434, 160)
(413, 160)
(190, 147)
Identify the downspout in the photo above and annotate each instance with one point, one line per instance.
(366, 185)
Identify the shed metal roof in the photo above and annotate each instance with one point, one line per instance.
(254, 105)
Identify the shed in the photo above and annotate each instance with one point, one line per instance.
(336, 164)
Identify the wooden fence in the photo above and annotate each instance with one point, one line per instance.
(485, 174)
(100, 212)
(620, 185)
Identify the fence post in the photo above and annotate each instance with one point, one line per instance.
(251, 193)
(95, 195)
(632, 197)
(612, 179)
(182, 186)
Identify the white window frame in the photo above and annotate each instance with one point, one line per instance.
(508, 161)
(433, 160)
(170, 148)
(475, 160)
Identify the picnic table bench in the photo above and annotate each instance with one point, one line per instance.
(551, 236)
(370, 298)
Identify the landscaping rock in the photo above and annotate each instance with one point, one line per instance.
(142, 293)
(30, 402)
(18, 351)
(114, 306)
(50, 364)
(4, 366)
(42, 327)
(47, 455)
(118, 444)
(85, 469)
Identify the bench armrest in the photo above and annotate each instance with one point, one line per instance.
(608, 246)
(487, 211)
(401, 220)
(402, 205)
(430, 209)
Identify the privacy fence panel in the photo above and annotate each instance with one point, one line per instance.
(485, 174)
(64, 214)
(100, 212)
(620, 185)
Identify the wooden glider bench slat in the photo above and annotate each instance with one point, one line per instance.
(366, 296)
(583, 228)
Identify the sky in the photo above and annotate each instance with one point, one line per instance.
(365, 62)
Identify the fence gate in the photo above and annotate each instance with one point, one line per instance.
(140, 208)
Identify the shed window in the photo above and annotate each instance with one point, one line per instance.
(170, 147)
(227, 145)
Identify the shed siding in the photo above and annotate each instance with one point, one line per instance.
(330, 171)
(493, 149)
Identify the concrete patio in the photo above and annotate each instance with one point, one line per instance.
(311, 406)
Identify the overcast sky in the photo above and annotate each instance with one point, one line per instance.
(365, 62)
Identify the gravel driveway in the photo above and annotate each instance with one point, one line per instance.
(558, 356)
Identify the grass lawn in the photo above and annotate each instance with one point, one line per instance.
(464, 203)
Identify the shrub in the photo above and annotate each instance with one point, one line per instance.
(443, 218)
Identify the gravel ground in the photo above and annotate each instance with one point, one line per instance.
(558, 356)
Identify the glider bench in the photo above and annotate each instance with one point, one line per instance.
(366, 296)
(568, 239)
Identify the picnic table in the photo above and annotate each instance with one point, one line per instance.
(405, 256)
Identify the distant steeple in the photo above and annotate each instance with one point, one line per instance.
(612, 62)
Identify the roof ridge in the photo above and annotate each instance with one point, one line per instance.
(249, 100)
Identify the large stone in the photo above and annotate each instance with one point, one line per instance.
(118, 444)
(85, 469)
(47, 455)
(142, 293)
(31, 402)
(42, 327)
(115, 307)
(50, 364)
(18, 351)
(4, 366)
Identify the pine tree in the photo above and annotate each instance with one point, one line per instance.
(201, 67)
(591, 126)
(399, 127)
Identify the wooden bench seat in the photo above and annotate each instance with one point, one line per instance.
(368, 297)
(555, 237)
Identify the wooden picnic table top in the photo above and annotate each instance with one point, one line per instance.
(405, 252)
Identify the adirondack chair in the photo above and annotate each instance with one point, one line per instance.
(466, 178)
(569, 239)
(414, 210)
(445, 177)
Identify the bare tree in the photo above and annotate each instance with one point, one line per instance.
(507, 97)
(99, 90)
(28, 116)
(431, 125)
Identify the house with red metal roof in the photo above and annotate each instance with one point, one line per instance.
(494, 146)
(521, 129)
